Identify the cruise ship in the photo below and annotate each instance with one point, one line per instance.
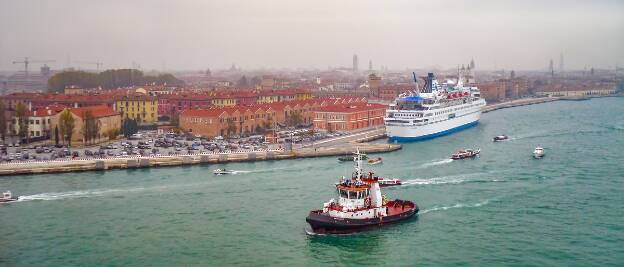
(436, 110)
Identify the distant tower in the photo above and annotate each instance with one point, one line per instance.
(561, 63)
(513, 74)
(355, 63)
(551, 68)
(472, 64)
(370, 65)
(45, 70)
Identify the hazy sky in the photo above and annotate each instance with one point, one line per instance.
(287, 33)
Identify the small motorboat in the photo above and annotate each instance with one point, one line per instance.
(538, 153)
(8, 197)
(385, 182)
(375, 161)
(500, 138)
(223, 172)
(466, 153)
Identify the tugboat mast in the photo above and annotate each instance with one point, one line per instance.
(358, 163)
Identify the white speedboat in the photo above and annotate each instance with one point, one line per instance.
(466, 153)
(8, 197)
(538, 152)
(223, 172)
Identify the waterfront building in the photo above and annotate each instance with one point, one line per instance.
(577, 92)
(137, 106)
(391, 92)
(248, 120)
(107, 119)
(39, 123)
(349, 116)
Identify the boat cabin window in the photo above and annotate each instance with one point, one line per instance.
(343, 193)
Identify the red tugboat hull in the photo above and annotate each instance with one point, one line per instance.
(322, 223)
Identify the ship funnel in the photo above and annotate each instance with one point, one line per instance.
(429, 83)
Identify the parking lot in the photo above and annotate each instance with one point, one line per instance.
(149, 143)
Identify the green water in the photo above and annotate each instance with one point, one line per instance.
(503, 208)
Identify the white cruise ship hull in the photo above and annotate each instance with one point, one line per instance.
(407, 133)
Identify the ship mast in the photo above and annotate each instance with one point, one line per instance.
(358, 163)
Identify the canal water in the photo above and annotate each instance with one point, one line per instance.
(504, 208)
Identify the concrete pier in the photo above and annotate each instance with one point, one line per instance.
(61, 166)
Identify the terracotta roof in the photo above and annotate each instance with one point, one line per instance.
(96, 111)
(347, 108)
(202, 112)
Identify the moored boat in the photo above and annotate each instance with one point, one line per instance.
(538, 153)
(375, 161)
(360, 205)
(8, 197)
(466, 153)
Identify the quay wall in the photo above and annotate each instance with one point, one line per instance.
(62, 166)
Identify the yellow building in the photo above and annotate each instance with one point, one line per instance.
(139, 107)
(221, 101)
(304, 95)
(267, 98)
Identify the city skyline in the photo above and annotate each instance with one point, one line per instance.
(198, 35)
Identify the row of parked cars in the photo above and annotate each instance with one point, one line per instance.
(44, 152)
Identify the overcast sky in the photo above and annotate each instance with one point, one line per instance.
(188, 35)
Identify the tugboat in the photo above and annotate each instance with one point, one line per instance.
(375, 161)
(465, 153)
(8, 197)
(500, 138)
(360, 205)
(538, 153)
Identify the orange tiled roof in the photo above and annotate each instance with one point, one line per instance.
(96, 111)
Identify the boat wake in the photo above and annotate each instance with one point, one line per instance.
(77, 194)
(435, 163)
(456, 206)
(433, 181)
(456, 179)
